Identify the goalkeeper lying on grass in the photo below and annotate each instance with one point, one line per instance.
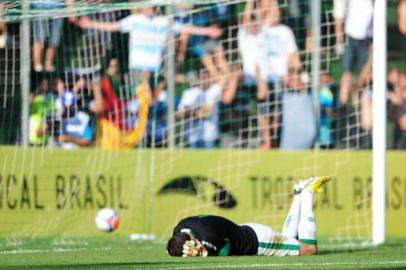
(203, 236)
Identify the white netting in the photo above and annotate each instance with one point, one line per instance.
(84, 56)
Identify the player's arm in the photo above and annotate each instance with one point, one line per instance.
(402, 16)
(183, 40)
(96, 106)
(230, 91)
(204, 244)
(214, 94)
(248, 12)
(292, 50)
(212, 31)
(339, 16)
(85, 22)
(263, 89)
(294, 60)
(183, 112)
(76, 140)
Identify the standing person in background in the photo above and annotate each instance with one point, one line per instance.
(327, 99)
(277, 47)
(121, 119)
(42, 104)
(46, 31)
(298, 129)
(254, 66)
(148, 36)
(364, 84)
(353, 27)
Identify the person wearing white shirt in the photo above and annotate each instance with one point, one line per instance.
(354, 19)
(199, 108)
(278, 52)
(192, 100)
(148, 36)
(277, 45)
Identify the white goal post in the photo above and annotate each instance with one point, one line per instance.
(379, 124)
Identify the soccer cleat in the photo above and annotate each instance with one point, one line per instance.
(313, 183)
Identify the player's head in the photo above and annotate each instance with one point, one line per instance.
(175, 244)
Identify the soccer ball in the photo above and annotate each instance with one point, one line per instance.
(107, 220)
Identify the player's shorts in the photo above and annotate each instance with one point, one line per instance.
(271, 243)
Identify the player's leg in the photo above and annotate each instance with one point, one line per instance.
(307, 224)
(39, 39)
(347, 68)
(290, 226)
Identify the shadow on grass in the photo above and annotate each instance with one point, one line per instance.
(342, 251)
(391, 243)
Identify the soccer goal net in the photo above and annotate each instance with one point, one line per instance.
(164, 109)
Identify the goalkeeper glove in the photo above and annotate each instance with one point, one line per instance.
(193, 248)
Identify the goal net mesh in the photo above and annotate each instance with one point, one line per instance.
(83, 83)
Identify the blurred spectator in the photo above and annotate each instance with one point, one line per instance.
(69, 123)
(402, 24)
(254, 66)
(110, 107)
(46, 31)
(42, 104)
(364, 83)
(157, 124)
(249, 45)
(327, 98)
(199, 108)
(148, 34)
(397, 107)
(279, 51)
(207, 48)
(298, 121)
(235, 110)
(122, 117)
(358, 30)
(182, 16)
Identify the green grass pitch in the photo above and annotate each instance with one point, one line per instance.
(119, 253)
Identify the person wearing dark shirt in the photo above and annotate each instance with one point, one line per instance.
(208, 235)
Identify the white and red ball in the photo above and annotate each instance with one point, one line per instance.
(107, 220)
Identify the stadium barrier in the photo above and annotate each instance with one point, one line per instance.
(52, 192)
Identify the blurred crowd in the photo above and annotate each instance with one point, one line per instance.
(242, 77)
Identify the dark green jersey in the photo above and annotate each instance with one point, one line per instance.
(220, 236)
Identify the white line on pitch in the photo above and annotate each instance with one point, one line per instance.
(307, 264)
(23, 251)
